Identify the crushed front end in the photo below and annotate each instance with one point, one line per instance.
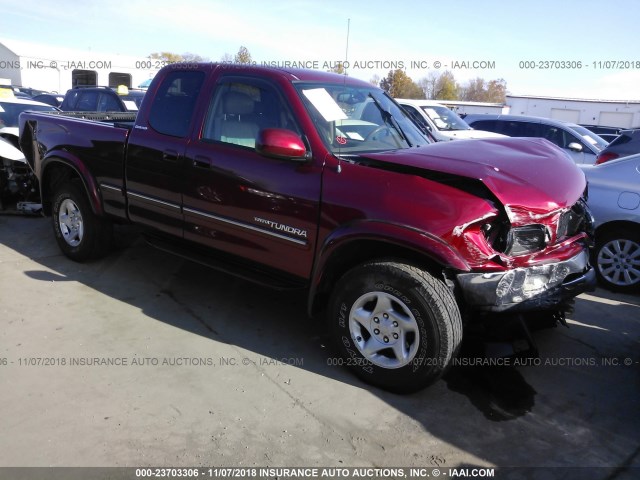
(540, 261)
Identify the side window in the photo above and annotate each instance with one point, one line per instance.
(109, 103)
(240, 109)
(486, 125)
(87, 102)
(417, 118)
(71, 100)
(555, 135)
(172, 109)
(528, 129)
(511, 128)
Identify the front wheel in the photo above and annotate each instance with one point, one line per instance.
(395, 326)
(617, 259)
(81, 235)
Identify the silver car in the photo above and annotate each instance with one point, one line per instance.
(579, 143)
(614, 199)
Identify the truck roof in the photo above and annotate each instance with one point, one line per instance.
(292, 74)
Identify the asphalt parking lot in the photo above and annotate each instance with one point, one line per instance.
(145, 359)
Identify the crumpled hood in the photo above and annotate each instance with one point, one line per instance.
(526, 174)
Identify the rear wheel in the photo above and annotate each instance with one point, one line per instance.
(81, 235)
(617, 258)
(395, 325)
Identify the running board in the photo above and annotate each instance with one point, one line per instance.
(226, 263)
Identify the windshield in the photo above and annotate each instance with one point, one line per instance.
(9, 112)
(591, 138)
(444, 118)
(358, 119)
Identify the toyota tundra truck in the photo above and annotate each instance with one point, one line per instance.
(306, 179)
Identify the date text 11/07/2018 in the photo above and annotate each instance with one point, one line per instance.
(579, 65)
(316, 472)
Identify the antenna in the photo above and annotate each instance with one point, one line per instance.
(344, 73)
(346, 53)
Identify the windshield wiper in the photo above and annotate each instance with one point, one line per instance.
(387, 117)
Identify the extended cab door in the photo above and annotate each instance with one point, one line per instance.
(239, 201)
(155, 155)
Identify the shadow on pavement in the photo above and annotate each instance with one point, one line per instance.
(552, 414)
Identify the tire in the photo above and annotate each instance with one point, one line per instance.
(376, 305)
(617, 260)
(81, 235)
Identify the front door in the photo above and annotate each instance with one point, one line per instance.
(240, 201)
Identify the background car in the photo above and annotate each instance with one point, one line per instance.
(10, 110)
(627, 143)
(53, 99)
(614, 200)
(18, 185)
(607, 133)
(102, 99)
(440, 122)
(582, 145)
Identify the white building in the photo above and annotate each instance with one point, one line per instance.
(56, 69)
(612, 113)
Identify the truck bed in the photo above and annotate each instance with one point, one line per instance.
(119, 119)
(82, 140)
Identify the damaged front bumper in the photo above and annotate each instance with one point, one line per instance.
(530, 288)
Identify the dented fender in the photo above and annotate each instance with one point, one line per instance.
(396, 237)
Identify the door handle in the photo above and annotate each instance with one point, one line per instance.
(170, 156)
(200, 161)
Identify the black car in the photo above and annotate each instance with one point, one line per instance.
(627, 143)
(53, 99)
(102, 99)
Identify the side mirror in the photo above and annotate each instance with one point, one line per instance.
(280, 143)
(575, 147)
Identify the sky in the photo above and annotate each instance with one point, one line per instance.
(567, 48)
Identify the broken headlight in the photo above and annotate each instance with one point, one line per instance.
(527, 239)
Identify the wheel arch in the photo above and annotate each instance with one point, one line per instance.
(59, 168)
(350, 247)
(617, 225)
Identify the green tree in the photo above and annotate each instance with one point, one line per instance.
(479, 90)
(337, 68)
(474, 91)
(497, 91)
(193, 57)
(243, 55)
(428, 84)
(168, 57)
(399, 85)
(446, 87)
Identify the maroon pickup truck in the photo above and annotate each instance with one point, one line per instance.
(305, 179)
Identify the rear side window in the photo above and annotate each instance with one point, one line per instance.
(174, 103)
(621, 140)
(486, 125)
